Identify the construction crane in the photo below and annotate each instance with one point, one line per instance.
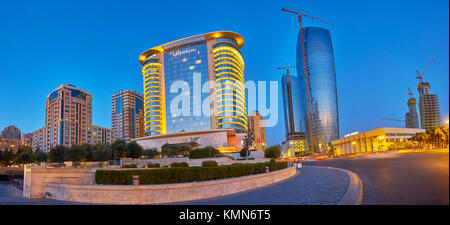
(393, 119)
(420, 76)
(411, 92)
(291, 113)
(305, 69)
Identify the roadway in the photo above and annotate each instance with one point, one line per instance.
(399, 179)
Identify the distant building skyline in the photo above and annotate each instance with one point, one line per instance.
(373, 70)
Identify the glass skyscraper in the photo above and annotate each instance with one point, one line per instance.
(322, 87)
(194, 84)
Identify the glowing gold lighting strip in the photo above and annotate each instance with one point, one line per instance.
(228, 58)
(234, 65)
(151, 71)
(229, 49)
(229, 68)
(231, 94)
(233, 123)
(232, 74)
(233, 100)
(231, 111)
(230, 89)
(229, 73)
(229, 83)
(242, 109)
(230, 78)
(233, 117)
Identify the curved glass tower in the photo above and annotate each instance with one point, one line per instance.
(209, 69)
(322, 87)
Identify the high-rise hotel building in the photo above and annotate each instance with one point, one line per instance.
(206, 74)
(68, 115)
(127, 115)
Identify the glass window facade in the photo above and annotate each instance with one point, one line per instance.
(322, 86)
(180, 65)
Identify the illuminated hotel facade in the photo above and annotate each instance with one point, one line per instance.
(209, 70)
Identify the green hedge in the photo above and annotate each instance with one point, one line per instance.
(209, 163)
(201, 153)
(129, 166)
(183, 174)
(153, 165)
(179, 164)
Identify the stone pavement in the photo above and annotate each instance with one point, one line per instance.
(11, 195)
(313, 186)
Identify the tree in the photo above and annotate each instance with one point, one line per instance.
(245, 153)
(57, 154)
(247, 143)
(134, 150)
(40, 156)
(151, 153)
(74, 153)
(273, 152)
(24, 157)
(119, 148)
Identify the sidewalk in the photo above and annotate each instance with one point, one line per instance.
(313, 186)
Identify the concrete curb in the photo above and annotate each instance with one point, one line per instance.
(354, 193)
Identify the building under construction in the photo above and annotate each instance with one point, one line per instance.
(411, 117)
(430, 115)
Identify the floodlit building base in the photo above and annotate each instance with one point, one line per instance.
(226, 140)
(374, 140)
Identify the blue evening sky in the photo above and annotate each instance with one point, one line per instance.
(378, 46)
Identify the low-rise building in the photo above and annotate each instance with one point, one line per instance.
(294, 147)
(374, 140)
(26, 140)
(256, 124)
(9, 144)
(98, 134)
(225, 140)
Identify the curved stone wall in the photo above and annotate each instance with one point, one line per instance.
(162, 193)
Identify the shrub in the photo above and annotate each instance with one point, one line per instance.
(153, 165)
(205, 152)
(183, 174)
(244, 153)
(273, 152)
(129, 166)
(209, 163)
(179, 164)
